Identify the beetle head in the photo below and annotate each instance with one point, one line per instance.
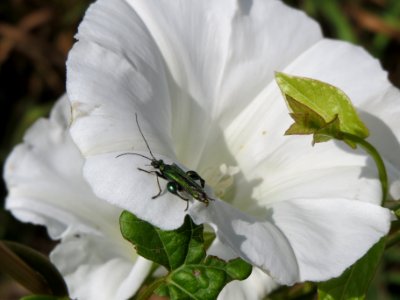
(157, 163)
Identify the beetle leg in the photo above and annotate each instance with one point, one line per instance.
(187, 205)
(153, 173)
(195, 176)
(157, 174)
(159, 188)
(187, 200)
(175, 188)
(183, 198)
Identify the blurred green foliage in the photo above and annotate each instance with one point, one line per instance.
(36, 35)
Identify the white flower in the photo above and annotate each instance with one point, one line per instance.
(46, 187)
(200, 76)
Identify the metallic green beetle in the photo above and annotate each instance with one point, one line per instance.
(179, 181)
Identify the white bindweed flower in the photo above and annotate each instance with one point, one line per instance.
(200, 77)
(46, 187)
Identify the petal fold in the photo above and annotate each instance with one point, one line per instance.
(259, 242)
(301, 239)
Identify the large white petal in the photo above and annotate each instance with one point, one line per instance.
(193, 37)
(220, 55)
(94, 269)
(203, 46)
(362, 78)
(104, 127)
(45, 183)
(46, 186)
(283, 165)
(131, 76)
(105, 97)
(221, 52)
(114, 71)
(300, 239)
(259, 242)
(322, 171)
(328, 235)
(275, 167)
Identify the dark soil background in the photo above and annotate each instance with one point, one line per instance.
(36, 35)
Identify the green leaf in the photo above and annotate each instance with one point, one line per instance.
(397, 213)
(326, 112)
(192, 274)
(308, 121)
(206, 278)
(354, 282)
(208, 237)
(31, 269)
(167, 248)
(319, 108)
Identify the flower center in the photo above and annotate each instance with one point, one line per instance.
(221, 179)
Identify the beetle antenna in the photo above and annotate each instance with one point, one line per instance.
(147, 144)
(131, 153)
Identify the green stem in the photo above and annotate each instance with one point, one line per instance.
(149, 290)
(14, 266)
(393, 239)
(377, 158)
